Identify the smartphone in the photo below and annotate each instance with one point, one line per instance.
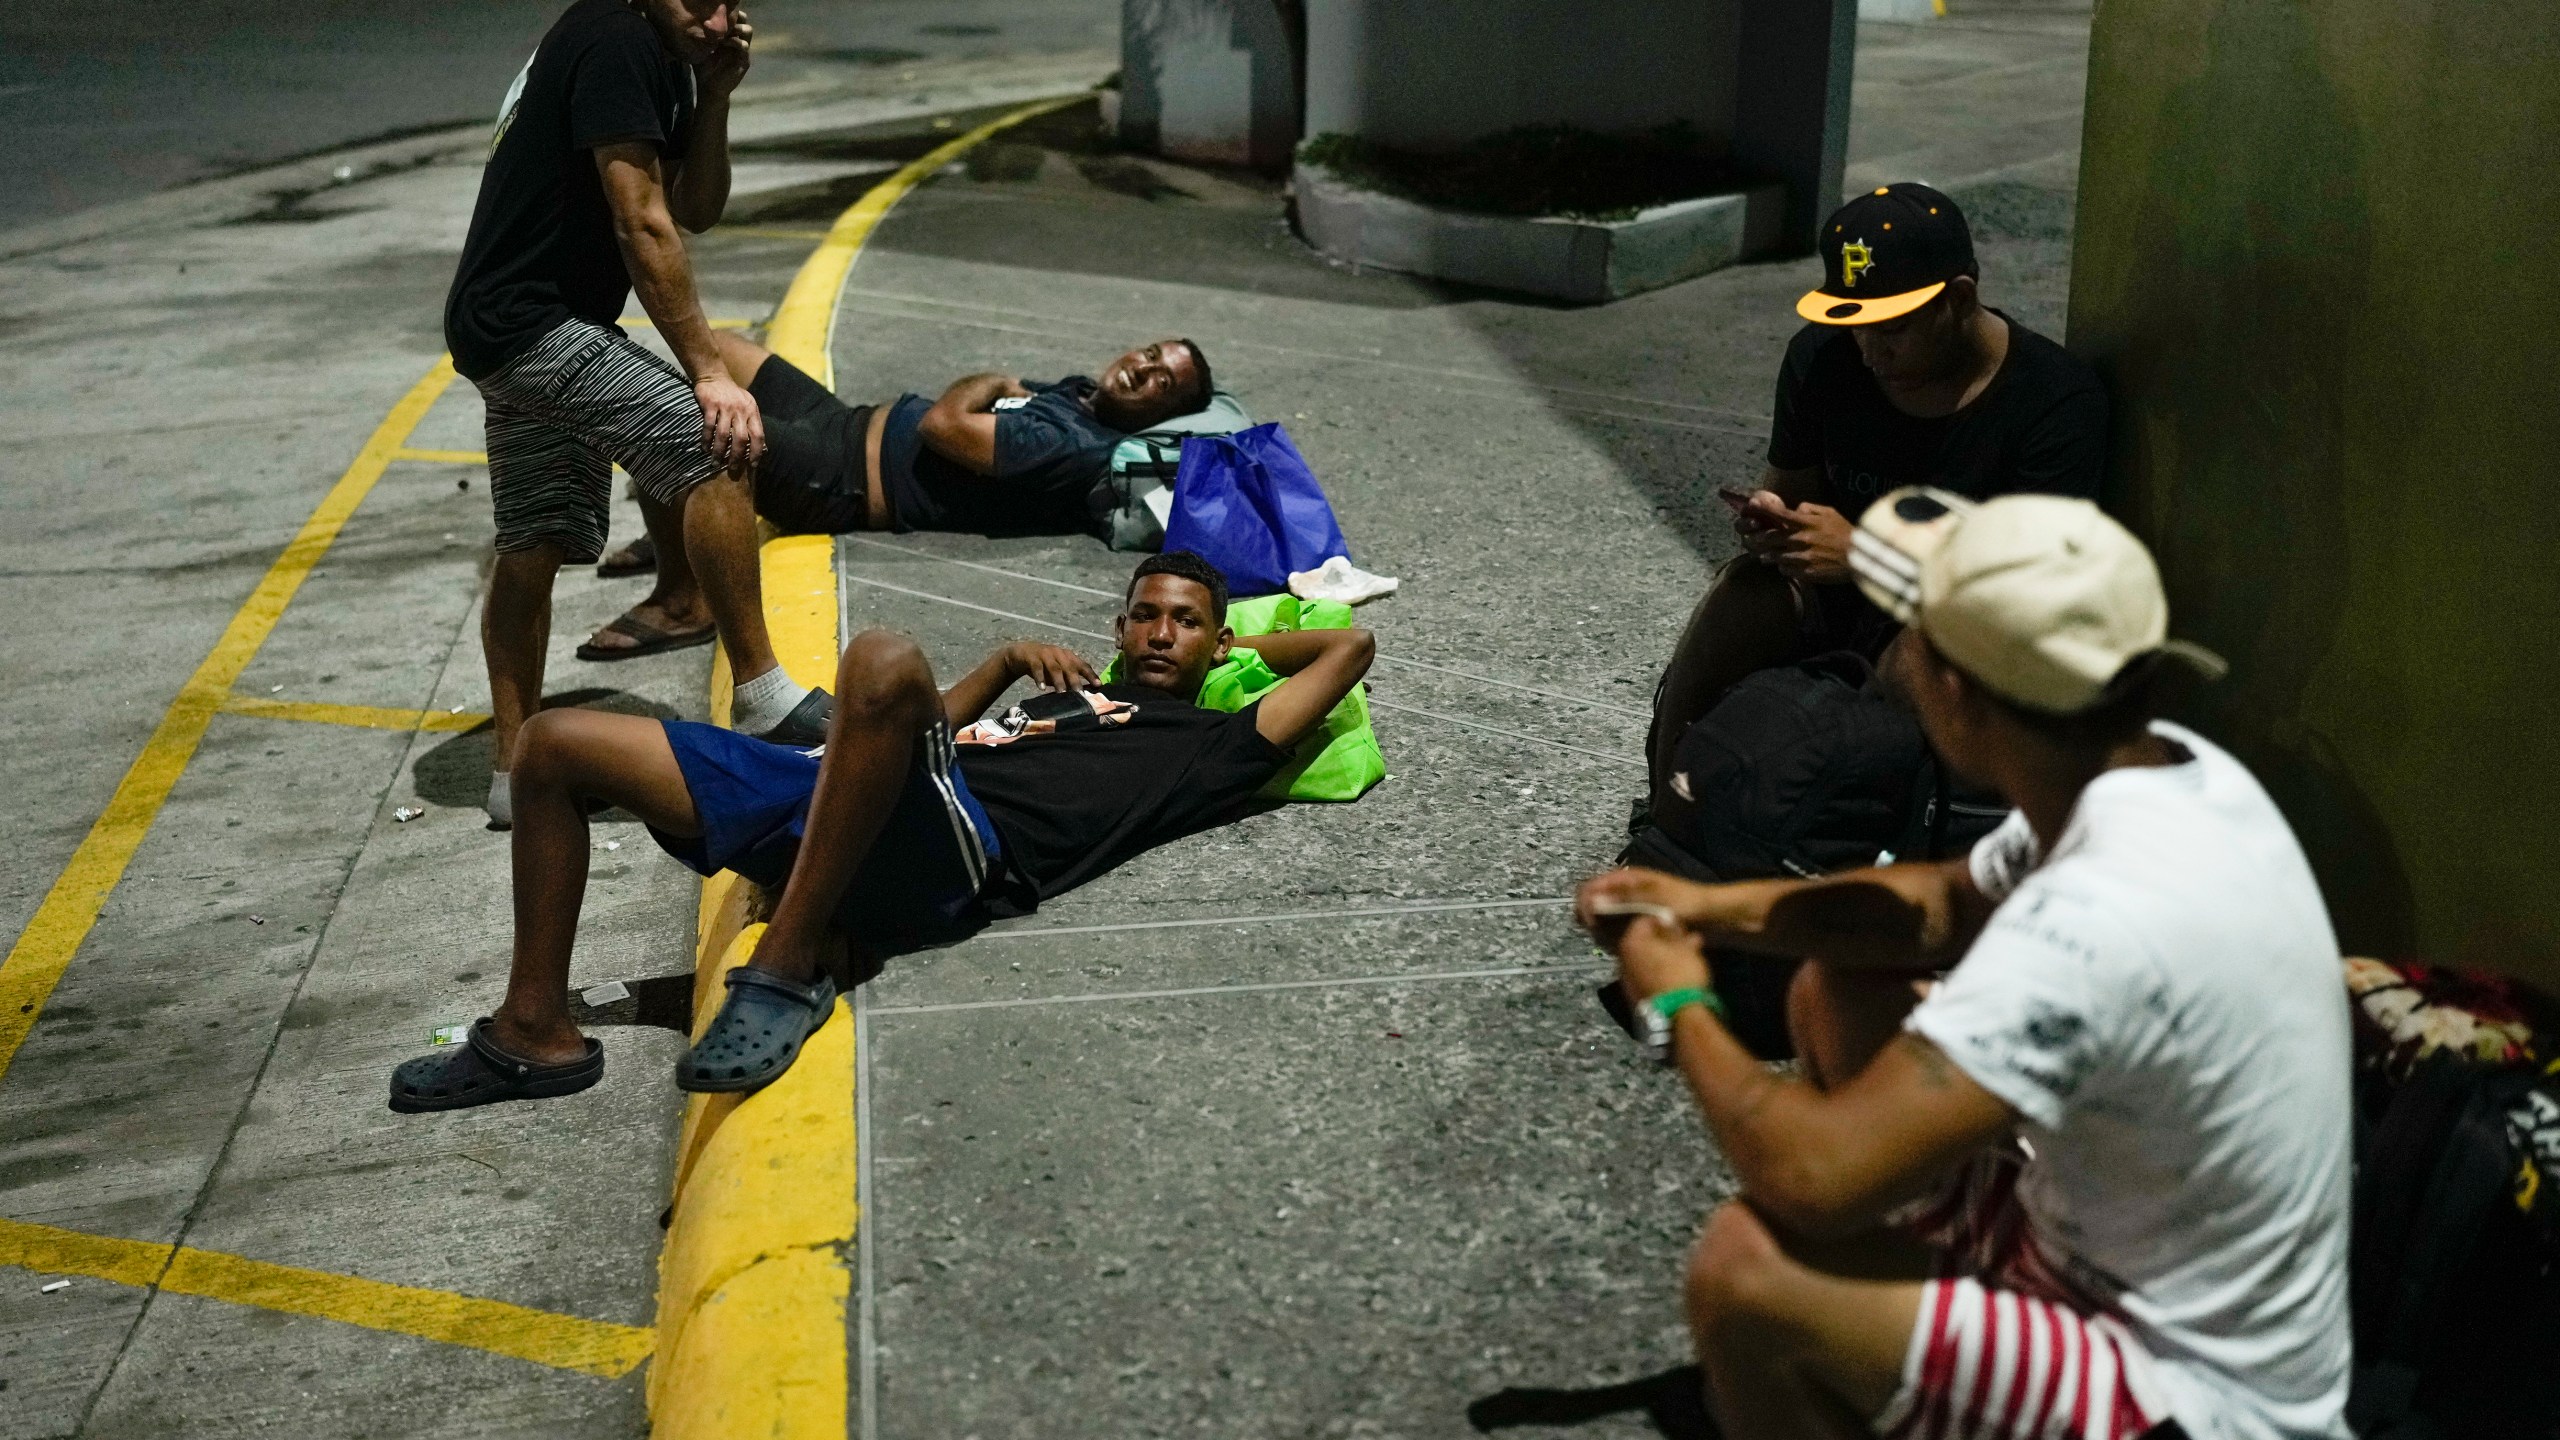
(1622, 1011)
(1615, 906)
(1739, 499)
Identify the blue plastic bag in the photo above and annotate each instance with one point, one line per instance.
(1248, 504)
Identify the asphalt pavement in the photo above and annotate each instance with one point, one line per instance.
(117, 99)
(1303, 1127)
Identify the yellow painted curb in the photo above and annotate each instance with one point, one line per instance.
(752, 1283)
(800, 1389)
(766, 1176)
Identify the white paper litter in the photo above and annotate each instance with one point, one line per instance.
(606, 993)
(1339, 579)
(407, 813)
(56, 1285)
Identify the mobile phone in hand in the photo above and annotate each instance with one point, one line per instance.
(1622, 1011)
(1739, 499)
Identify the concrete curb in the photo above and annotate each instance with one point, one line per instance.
(1585, 261)
(753, 1280)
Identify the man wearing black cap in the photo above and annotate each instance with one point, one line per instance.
(1903, 377)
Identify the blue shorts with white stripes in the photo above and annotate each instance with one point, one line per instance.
(924, 872)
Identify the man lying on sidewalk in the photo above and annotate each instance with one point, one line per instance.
(914, 818)
(2097, 1179)
(994, 456)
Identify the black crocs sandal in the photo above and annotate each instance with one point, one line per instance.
(757, 1033)
(477, 1072)
(806, 725)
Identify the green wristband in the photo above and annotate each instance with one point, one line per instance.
(1671, 1002)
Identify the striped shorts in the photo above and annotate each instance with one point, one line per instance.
(2006, 1347)
(581, 400)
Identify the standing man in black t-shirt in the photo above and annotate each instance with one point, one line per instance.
(1903, 377)
(614, 134)
(918, 815)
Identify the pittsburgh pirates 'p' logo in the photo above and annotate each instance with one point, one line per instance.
(1855, 257)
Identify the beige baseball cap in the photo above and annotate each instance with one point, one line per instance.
(2042, 599)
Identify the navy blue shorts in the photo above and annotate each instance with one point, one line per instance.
(923, 873)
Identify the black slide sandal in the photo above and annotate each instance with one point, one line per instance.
(640, 557)
(757, 1033)
(477, 1072)
(646, 639)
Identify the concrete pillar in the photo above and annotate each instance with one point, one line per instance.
(1899, 9)
(1791, 103)
(2315, 261)
(1770, 78)
(1208, 80)
(1425, 74)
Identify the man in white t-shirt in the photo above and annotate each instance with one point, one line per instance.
(2096, 1180)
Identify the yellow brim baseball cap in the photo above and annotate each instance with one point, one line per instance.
(1887, 253)
(1824, 308)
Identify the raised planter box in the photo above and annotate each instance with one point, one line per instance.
(1586, 261)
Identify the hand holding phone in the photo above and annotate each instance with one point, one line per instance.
(1620, 905)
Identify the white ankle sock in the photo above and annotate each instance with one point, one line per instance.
(502, 800)
(766, 701)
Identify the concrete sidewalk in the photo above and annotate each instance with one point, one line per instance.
(1309, 1125)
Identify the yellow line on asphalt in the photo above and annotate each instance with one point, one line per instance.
(44, 949)
(563, 1342)
(365, 717)
(807, 316)
(442, 457)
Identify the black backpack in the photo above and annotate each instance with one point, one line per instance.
(2455, 1273)
(1801, 770)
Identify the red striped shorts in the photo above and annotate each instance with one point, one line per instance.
(2004, 1348)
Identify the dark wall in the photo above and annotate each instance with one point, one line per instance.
(2318, 258)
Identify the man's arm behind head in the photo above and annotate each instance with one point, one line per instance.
(1322, 666)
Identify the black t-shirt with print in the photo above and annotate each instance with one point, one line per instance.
(1050, 453)
(2040, 426)
(541, 248)
(1072, 802)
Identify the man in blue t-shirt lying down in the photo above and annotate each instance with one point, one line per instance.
(917, 818)
(996, 455)
(2094, 1181)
